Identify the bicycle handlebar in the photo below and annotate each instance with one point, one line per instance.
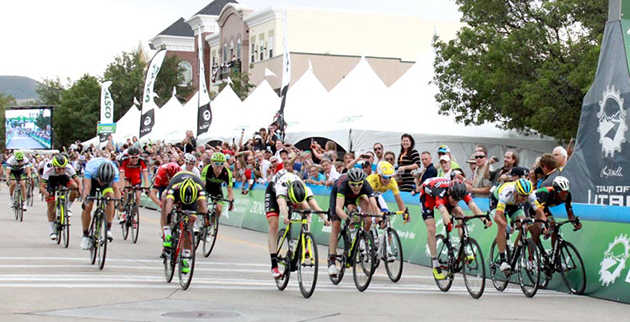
(309, 211)
(135, 188)
(218, 199)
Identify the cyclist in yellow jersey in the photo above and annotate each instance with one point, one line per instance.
(381, 182)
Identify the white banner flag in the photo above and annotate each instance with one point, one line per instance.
(204, 112)
(148, 105)
(107, 104)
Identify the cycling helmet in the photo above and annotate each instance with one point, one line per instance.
(133, 151)
(385, 169)
(105, 172)
(59, 161)
(297, 191)
(218, 157)
(171, 169)
(188, 191)
(356, 175)
(189, 158)
(561, 184)
(457, 189)
(523, 187)
(19, 156)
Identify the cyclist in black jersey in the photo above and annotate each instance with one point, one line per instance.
(214, 175)
(553, 196)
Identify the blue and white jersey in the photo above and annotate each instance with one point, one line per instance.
(91, 168)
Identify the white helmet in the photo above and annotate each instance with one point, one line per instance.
(189, 158)
(561, 184)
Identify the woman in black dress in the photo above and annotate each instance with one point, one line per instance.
(408, 160)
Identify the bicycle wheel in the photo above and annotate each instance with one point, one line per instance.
(528, 267)
(134, 223)
(91, 234)
(393, 255)
(170, 256)
(188, 237)
(375, 237)
(19, 211)
(58, 228)
(124, 226)
(284, 260)
(547, 268)
(572, 268)
(308, 265)
(445, 259)
(474, 268)
(363, 263)
(499, 279)
(211, 235)
(341, 261)
(65, 228)
(101, 242)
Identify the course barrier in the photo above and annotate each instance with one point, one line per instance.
(603, 242)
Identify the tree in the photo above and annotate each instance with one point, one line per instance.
(78, 114)
(128, 72)
(50, 91)
(5, 101)
(240, 84)
(524, 64)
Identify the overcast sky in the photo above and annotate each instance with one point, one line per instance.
(68, 38)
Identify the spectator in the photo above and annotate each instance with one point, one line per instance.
(561, 156)
(367, 167)
(510, 160)
(330, 171)
(390, 157)
(264, 167)
(408, 160)
(444, 150)
(549, 166)
(348, 161)
(479, 185)
(249, 176)
(370, 157)
(315, 177)
(339, 166)
(191, 139)
(378, 152)
(429, 169)
(330, 151)
(445, 166)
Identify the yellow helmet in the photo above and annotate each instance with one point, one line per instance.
(188, 191)
(385, 169)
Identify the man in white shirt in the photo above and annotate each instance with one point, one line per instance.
(264, 167)
(330, 172)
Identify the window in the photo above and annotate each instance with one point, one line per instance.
(238, 49)
(214, 58)
(270, 43)
(225, 52)
(231, 50)
(253, 50)
(261, 48)
(186, 73)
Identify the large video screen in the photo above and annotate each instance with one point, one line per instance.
(28, 127)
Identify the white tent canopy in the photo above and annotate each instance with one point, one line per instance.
(223, 108)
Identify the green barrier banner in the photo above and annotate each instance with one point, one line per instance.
(604, 246)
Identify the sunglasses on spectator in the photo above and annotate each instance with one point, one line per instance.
(479, 156)
(356, 184)
(378, 149)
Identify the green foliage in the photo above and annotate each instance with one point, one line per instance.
(78, 114)
(50, 91)
(127, 74)
(526, 65)
(240, 84)
(170, 76)
(43, 121)
(5, 101)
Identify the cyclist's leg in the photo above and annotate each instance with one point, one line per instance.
(12, 185)
(50, 211)
(364, 203)
(23, 179)
(427, 206)
(86, 215)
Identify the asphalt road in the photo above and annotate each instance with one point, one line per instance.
(24, 141)
(42, 281)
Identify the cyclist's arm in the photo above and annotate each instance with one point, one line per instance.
(154, 197)
(230, 196)
(375, 208)
(282, 206)
(42, 187)
(145, 177)
(341, 213)
(399, 202)
(87, 185)
(446, 218)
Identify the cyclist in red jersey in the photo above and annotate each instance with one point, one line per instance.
(443, 194)
(133, 169)
(162, 179)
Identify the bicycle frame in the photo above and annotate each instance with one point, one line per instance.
(301, 248)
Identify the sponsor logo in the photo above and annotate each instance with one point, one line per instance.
(614, 260)
(612, 122)
(206, 115)
(147, 121)
(607, 173)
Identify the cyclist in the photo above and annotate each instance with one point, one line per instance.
(191, 164)
(59, 172)
(443, 194)
(214, 175)
(508, 200)
(283, 190)
(18, 171)
(164, 174)
(552, 196)
(185, 191)
(381, 182)
(350, 190)
(100, 173)
(133, 169)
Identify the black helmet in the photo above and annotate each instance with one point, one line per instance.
(457, 189)
(356, 175)
(297, 191)
(106, 172)
(133, 151)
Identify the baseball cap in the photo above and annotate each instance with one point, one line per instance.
(519, 171)
(443, 149)
(445, 158)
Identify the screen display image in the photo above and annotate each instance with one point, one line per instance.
(28, 128)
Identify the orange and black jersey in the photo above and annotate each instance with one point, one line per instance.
(547, 198)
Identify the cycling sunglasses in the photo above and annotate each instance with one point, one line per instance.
(218, 164)
(356, 184)
(386, 177)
